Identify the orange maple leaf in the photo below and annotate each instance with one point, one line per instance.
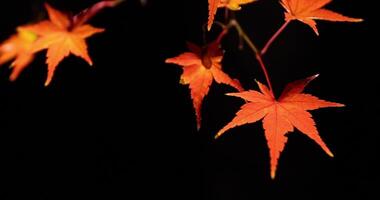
(213, 6)
(307, 11)
(60, 36)
(17, 47)
(200, 67)
(280, 116)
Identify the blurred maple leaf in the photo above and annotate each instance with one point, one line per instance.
(60, 36)
(17, 47)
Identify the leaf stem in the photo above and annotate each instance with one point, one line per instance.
(244, 36)
(274, 37)
(221, 35)
(226, 14)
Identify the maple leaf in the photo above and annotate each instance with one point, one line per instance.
(63, 35)
(307, 11)
(213, 6)
(280, 116)
(200, 67)
(17, 47)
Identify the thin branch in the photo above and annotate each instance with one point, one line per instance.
(274, 37)
(244, 36)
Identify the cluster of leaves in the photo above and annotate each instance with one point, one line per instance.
(62, 34)
(279, 115)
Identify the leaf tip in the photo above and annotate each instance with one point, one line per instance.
(340, 105)
(358, 20)
(232, 94)
(311, 78)
(199, 122)
(315, 31)
(47, 83)
(257, 82)
(48, 8)
(209, 27)
(47, 5)
(220, 133)
(90, 62)
(273, 174)
(15, 73)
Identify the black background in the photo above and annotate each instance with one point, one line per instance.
(125, 129)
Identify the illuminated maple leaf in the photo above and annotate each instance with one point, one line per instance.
(200, 67)
(61, 37)
(280, 116)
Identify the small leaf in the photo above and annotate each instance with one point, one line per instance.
(200, 68)
(18, 47)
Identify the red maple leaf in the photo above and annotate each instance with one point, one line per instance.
(307, 11)
(281, 116)
(200, 67)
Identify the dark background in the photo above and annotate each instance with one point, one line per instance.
(125, 129)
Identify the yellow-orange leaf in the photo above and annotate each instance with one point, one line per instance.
(213, 6)
(61, 38)
(280, 116)
(200, 68)
(307, 11)
(17, 47)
